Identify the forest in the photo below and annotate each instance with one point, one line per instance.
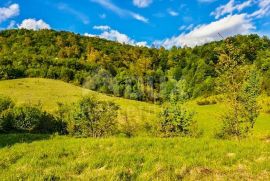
(132, 72)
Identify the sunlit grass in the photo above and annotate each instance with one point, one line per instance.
(50, 92)
(138, 158)
(46, 157)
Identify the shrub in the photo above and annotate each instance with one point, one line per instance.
(5, 103)
(29, 119)
(5, 117)
(92, 118)
(206, 101)
(6, 121)
(127, 126)
(176, 120)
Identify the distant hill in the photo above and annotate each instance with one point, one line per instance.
(138, 73)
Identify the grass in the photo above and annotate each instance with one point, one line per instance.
(50, 92)
(66, 158)
(49, 157)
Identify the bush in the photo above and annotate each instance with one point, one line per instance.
(92, 118)
(206, 101)
(5, 103)
(128, 126)
(176, 120)
(29, 119)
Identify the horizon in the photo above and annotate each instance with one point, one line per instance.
(156, 22)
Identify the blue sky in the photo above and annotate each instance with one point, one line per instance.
(142, 22)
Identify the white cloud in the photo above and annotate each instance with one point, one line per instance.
(79, 15)
(172, 12)
(228, 26)
(9, 12)
(183, 27)
(119, 11)
(139, 17)
(142, 44)
(90, 35)
(264, 9)
(33, 24)
(230, 7)
(102, 27)
(11, 24)
(114, 35)
(142, 3)
(186, 28)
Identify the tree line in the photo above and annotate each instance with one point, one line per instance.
(139, 73)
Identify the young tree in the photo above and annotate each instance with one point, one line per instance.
(175, 118)
(92, 118)
(240, 86)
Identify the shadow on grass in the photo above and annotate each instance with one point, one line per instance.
(11, 139)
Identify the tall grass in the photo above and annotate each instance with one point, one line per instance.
(66, 158)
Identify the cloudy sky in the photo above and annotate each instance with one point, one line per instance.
(141, 22)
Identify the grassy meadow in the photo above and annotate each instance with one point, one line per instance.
(49, 92)
(52, 157)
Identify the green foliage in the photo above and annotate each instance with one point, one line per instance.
(206, 101)
(5, 117)
(90, 117)
(29, 119)
(132, 72)
(175, 118)
(5, 103)
(241, 87)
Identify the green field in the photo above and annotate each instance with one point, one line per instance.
(44, 157)
(49, 92)
(66, 158)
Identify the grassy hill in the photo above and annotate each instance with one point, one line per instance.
(44, 157)
(49, 92)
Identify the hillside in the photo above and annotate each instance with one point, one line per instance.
(138, 73)
(49, 92)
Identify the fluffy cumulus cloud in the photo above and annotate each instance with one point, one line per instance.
(114, 35)
(33, 24)
(9, 12)
(142, 3)
(230, 7)
(228, 26)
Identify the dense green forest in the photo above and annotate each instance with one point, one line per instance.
(139, 73)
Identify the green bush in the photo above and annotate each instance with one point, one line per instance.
(206, 101)
(90, 117)
(5, 103)
(5, 117)
(29, 119)
(176, 120)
